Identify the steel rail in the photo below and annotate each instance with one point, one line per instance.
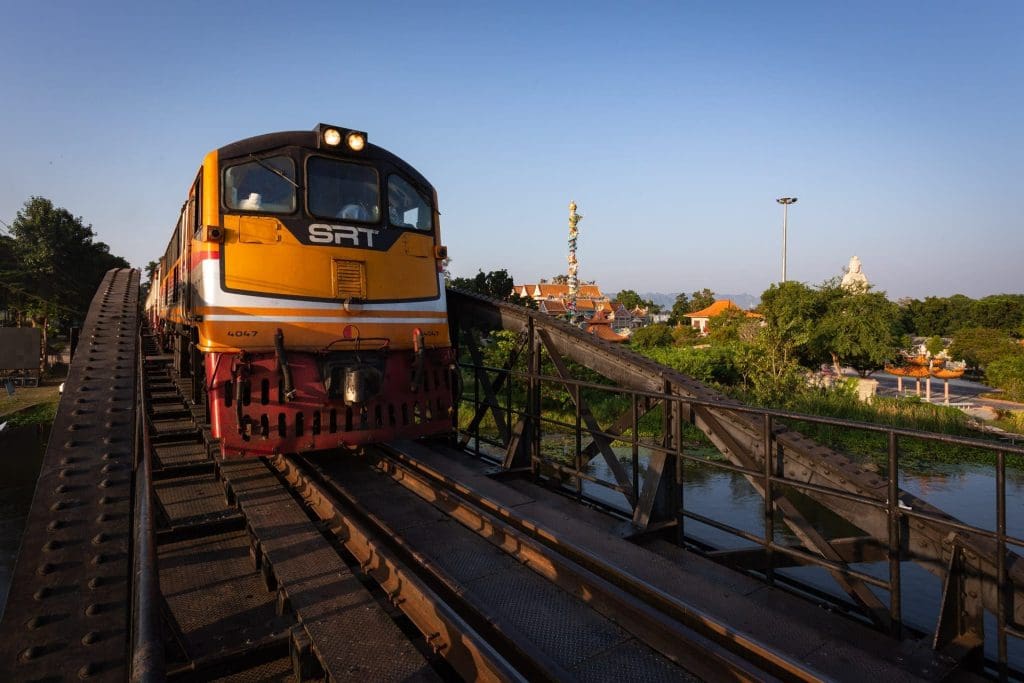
(447, 632)
(685, 634)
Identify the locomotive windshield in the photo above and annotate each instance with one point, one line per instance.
(406, 207)
(265, 185)
(338, 189)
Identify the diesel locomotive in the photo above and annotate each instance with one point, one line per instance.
(302, 290)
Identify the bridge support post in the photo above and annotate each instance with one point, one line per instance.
(960, 631)
(660, 500)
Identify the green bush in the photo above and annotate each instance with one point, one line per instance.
(652, 336)
(1007, 373)
(712, 364)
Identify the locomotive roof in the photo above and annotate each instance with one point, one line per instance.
(309, 139)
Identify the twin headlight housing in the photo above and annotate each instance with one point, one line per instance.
(333, 137)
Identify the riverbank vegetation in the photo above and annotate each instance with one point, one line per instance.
(789, 357)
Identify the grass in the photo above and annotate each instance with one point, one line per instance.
(30, 405)
(38, 414)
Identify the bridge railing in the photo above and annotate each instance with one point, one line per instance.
(147, 654)
(512, 413)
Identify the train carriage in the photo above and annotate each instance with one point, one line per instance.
(302, 288)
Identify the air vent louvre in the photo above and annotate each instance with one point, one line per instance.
(349, 280)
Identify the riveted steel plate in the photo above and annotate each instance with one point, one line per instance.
(67, 610)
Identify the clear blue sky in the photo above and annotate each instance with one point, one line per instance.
(673, 125)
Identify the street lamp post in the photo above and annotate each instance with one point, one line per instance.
(785, 201)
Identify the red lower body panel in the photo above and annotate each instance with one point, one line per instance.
(266, 424)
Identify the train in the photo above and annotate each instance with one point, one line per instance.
(302, 290)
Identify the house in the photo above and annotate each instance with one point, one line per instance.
(699, 319)
(601, 327)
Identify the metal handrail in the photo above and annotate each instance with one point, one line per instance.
(148, 656)
(768, 476)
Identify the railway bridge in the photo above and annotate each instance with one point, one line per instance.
(544, 541)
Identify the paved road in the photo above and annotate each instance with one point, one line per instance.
(960, 390)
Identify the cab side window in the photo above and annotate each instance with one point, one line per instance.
(407, 208)
(266, 186)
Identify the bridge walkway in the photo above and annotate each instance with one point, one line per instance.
(694, 589)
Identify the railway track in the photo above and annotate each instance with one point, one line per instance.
(304, 567)
(320, 564)
(250, 581)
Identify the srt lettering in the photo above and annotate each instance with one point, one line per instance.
(320, 233)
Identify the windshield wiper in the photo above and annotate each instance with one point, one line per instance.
(279, 173)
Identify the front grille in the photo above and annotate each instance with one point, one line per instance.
(350, 280)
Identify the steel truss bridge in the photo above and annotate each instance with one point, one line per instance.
(490, 555)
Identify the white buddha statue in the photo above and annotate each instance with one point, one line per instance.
(855, 279)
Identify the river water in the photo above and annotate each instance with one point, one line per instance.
(21, 454)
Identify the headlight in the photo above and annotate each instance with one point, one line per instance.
(332, 137)
(356, 141)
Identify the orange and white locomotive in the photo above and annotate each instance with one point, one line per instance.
(303, 291)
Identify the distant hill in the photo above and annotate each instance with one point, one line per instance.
(746, 301)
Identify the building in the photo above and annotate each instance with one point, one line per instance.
(553, 299)
(699, 319)
(601, 326)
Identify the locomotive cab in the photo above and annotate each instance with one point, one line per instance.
(315, 302)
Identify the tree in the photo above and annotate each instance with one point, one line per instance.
(560, 280)
(685, 335)
(860, 329)
(9, 291)
(680, 307)
(731, 324)
(701, 300)
(150, 271)
(652, 336)
(934, 346)
(494, 283)
(980, 346)
(791, 311)
(769, 368)
(1007, 373)
(59, 266)
(629, 299)
(946, 315)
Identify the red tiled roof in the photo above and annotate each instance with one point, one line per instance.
(718, 308)
(553, 306)
(604, 331)
(548, 290)
(714, 309)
